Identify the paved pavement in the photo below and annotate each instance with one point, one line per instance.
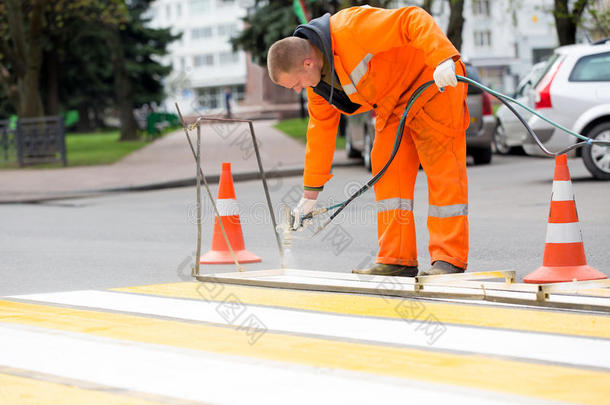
(166, 162)
(193, 342)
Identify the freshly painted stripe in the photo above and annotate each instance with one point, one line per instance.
(21, 390)
(394, 204)
(423, 332)
(349, 88)
(360, 70)
(227, 206)
(563, 233)
(447, 211)
(351, 304)
(563, 212)
(201, 376)
(562, 191)
(530, 379)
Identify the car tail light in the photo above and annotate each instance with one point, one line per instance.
(487, 104)
(373, 114)
(543, 96)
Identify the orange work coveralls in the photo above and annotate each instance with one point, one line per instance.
(380, 57)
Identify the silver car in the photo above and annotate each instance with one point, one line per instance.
(359, 129)
(575, 92)
(510, 132)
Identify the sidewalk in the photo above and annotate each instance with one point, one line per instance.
(167, 162)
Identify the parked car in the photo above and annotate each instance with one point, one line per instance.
(510, 132)
(360, 128)
(575, 92)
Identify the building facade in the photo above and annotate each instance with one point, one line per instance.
(204, 66)
(502, 38)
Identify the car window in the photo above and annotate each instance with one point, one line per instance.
(537, 76)
(592, 68)
(471, 73)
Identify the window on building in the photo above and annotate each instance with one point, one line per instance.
(199, 6)
(182, 64)
(227, 30)
(179, 10)
(203, 60)
(541, 54)
(228, 58)
(592, 68)
(226, 3)
(480, 8)
(201, 33)
(168, 11)
(482, 38)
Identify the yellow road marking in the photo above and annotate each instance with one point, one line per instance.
(475, 371)
(21, 390)
(352, 304)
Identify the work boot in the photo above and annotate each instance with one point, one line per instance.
(381, 269)
(441, 267)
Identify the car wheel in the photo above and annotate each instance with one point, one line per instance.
(368, 147)
(481, 156)
(349, 147)
(499, 140)
(597, 158)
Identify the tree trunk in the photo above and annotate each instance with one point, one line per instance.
(566, 22)
(122, 86)
(84, 121)
(456, 22)
(427, 5)
(28, 55)
(52, 104)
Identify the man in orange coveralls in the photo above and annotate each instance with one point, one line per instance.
(365, 58)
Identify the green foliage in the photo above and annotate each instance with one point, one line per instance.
(143, 47)
(297, 128)
(75, 37)
(276, 19)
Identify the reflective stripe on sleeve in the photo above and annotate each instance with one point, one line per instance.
(447, 211)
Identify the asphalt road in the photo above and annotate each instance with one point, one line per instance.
(149, 237)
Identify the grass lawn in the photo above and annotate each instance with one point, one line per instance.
(98, 148)
(93, 148)
(297, 128)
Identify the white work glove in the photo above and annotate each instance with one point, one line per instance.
(304, 207)
(444, 74)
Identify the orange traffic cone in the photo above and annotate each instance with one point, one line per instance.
(229, 211)
(564, 252)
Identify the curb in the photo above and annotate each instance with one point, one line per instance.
(186, 182)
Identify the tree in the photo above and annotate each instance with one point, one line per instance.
(275, 19)
(566, 20)
(28, 29)
(456, 23)
(135, 50)
(23, 53)
(598, 24)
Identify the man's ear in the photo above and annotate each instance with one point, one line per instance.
(307, 63)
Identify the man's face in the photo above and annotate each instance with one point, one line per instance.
(308, 76)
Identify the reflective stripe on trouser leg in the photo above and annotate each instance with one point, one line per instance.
(394, 194)
(439, 136)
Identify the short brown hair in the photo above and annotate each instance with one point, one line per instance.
(285, 55)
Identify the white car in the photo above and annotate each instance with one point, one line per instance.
(510, 132)
(575, 92)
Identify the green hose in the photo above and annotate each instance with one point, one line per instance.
(399, 133)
